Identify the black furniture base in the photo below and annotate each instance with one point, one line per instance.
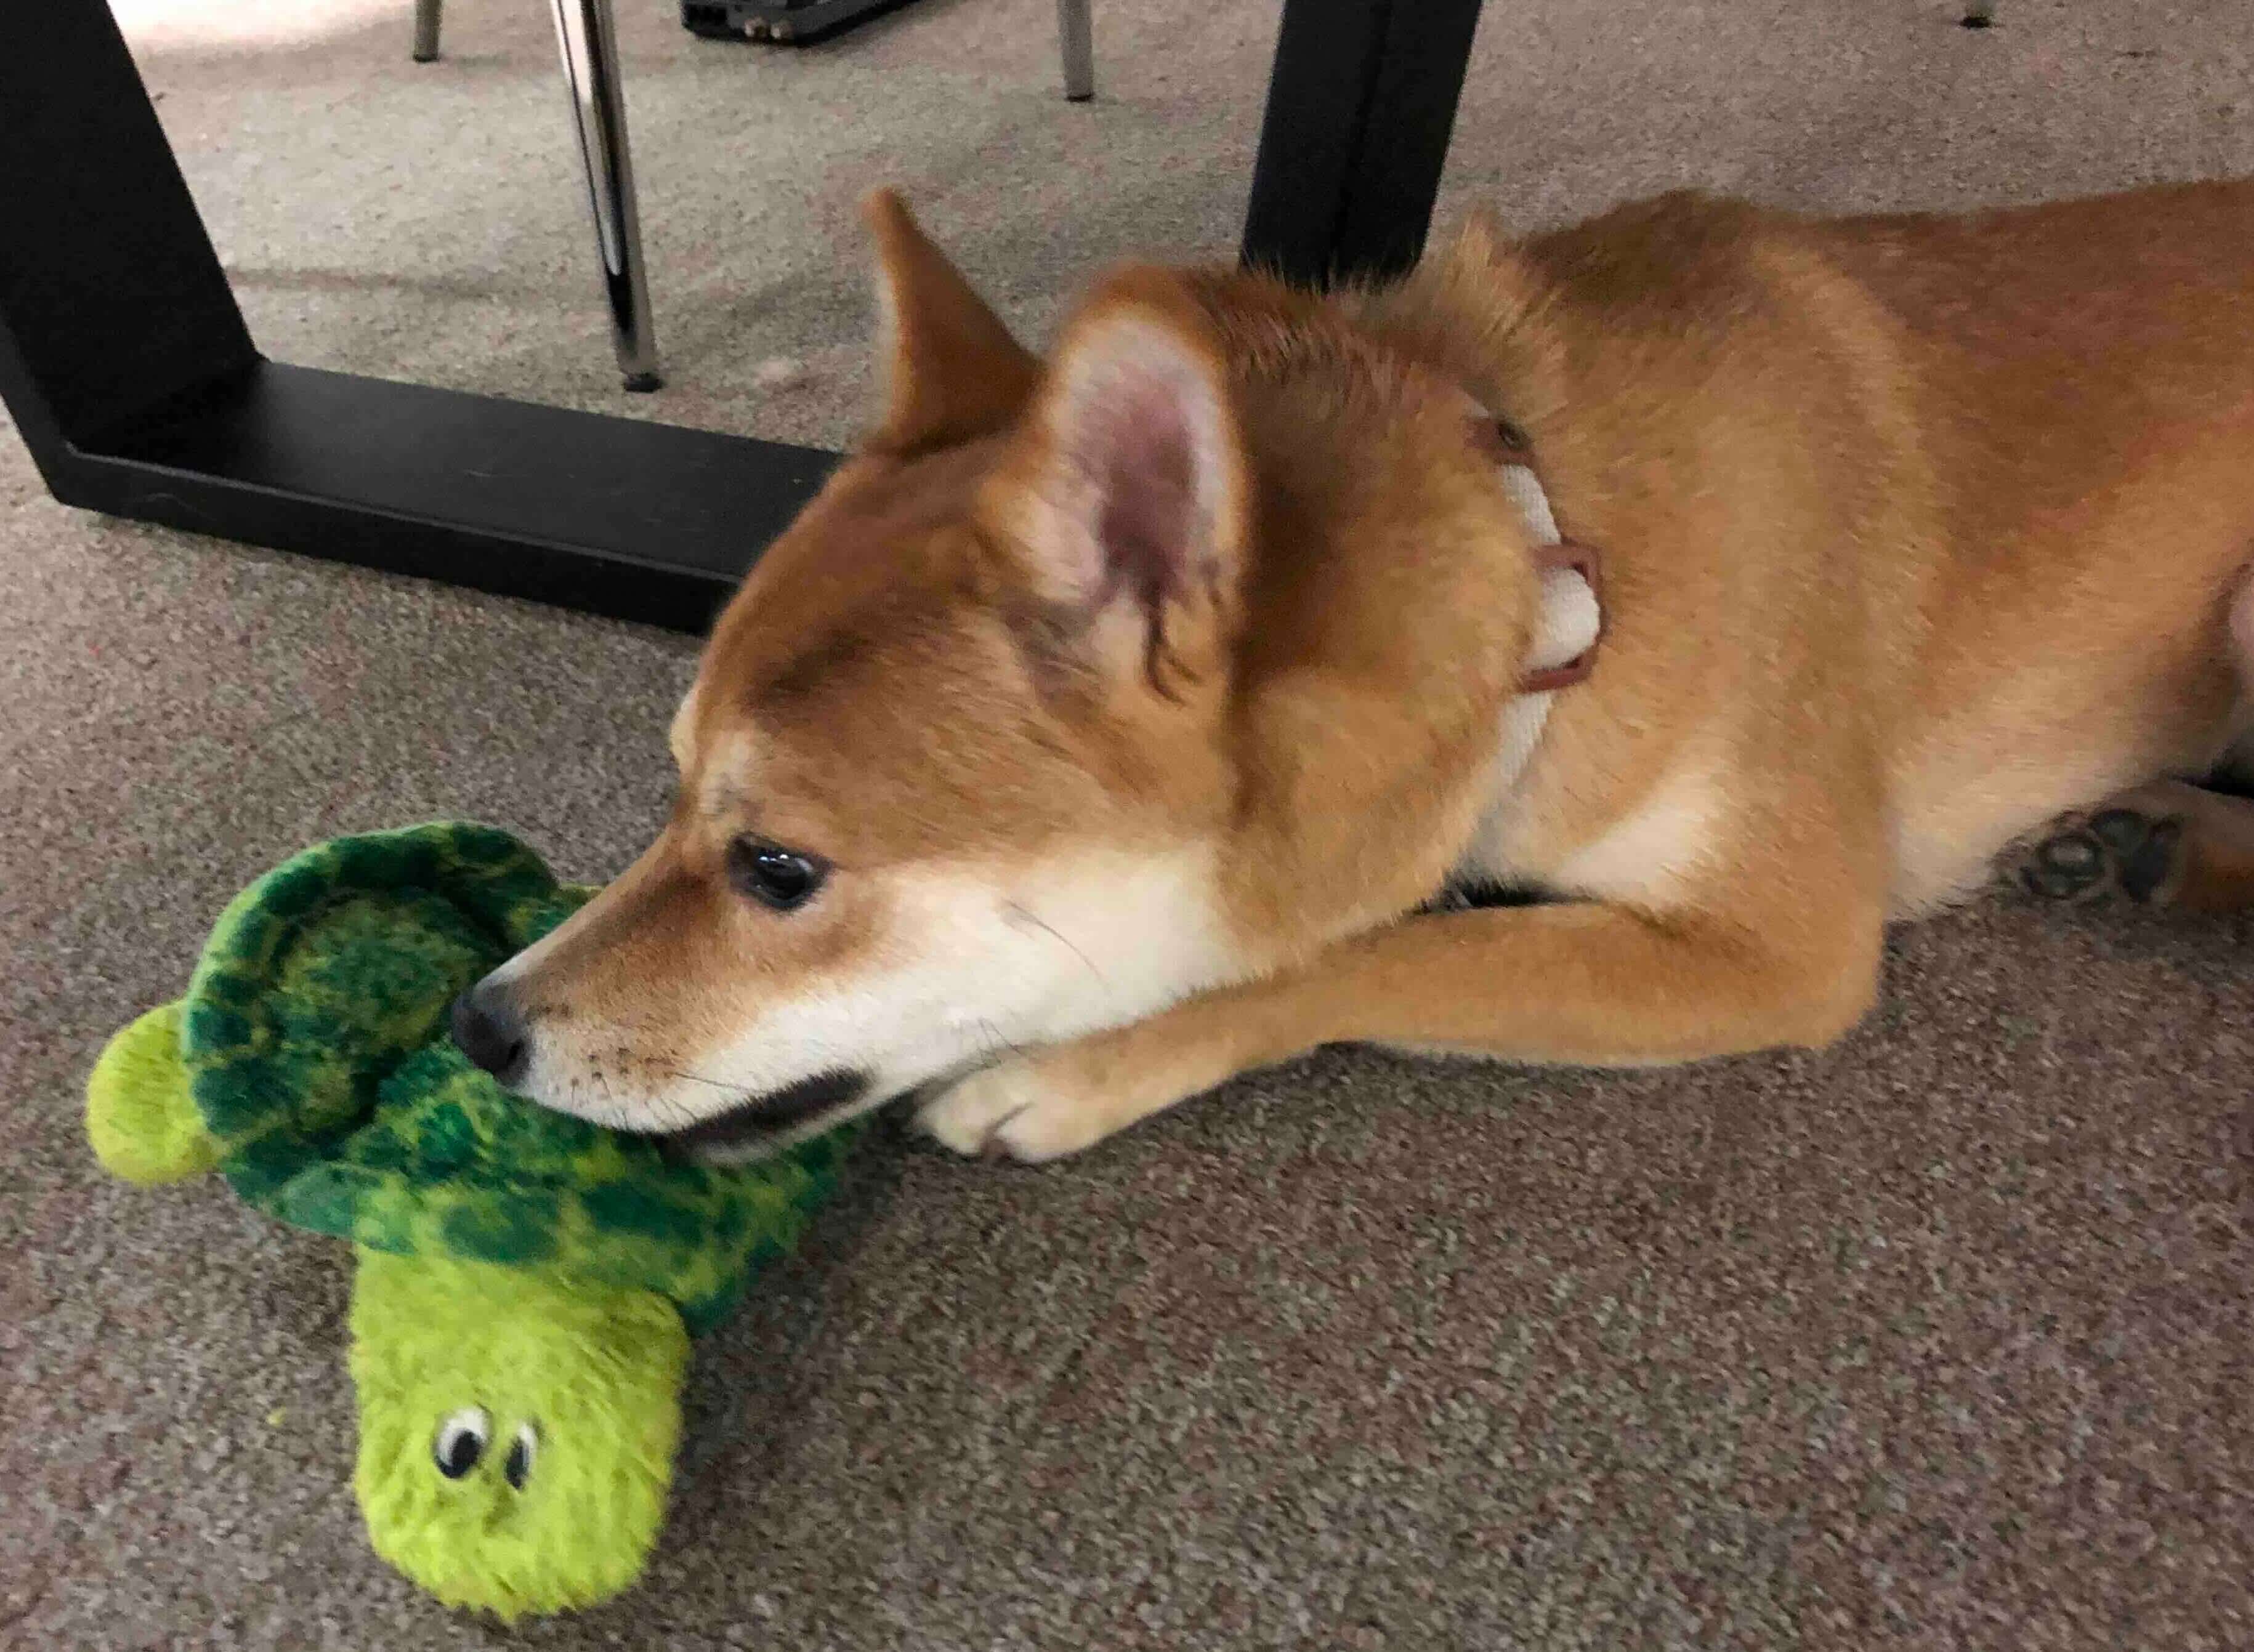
(126, 364)
(615, 516)
(783, 21)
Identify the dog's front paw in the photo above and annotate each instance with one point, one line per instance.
(1030, 1108)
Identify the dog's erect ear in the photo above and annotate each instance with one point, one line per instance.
(951, 370)
(1126, 492)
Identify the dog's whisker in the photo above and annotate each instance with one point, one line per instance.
(739, 1091)
(1018, 911)
(995, 1041)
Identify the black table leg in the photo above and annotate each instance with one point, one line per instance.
(1360, 104)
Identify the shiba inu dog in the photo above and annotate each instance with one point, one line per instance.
(1734, 582)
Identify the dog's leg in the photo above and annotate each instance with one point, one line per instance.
(1575, 983)
(2166, 844)
(2169, 843)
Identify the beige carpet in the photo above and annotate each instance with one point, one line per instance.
(1940, 1339)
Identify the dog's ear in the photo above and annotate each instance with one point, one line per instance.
(951, 370)
(1125, 494)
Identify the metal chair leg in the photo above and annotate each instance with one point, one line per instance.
(589, 43)
(426, 30)
(1078, 34)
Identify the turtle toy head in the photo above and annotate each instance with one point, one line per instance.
(528, 1280)
(516, 1431)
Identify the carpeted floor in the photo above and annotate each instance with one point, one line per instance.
(1940, 1339)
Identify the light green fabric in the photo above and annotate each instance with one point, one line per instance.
(139, 1115)
(591, 1373)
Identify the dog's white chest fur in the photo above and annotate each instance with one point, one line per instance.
(1650, 856)
(1653, 854)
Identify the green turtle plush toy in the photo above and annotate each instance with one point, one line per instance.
(528, 1282)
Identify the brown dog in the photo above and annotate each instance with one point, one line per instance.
(1108, 727)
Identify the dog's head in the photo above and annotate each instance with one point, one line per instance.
(962, 762)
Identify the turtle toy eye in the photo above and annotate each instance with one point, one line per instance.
(461, 1441)
(516, 1467)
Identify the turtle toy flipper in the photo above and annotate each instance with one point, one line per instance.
(139, 1115)
(528, 1283)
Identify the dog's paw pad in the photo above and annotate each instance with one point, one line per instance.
(2114, 851)
(2149, 870)
(2120, 830)
(2064, 865)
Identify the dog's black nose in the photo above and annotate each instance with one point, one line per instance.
(491, 1031)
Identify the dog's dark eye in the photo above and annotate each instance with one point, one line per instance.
(774, 876)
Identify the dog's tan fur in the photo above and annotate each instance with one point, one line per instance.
(1917, 532)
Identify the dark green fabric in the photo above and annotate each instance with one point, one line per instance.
(314, 1034)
